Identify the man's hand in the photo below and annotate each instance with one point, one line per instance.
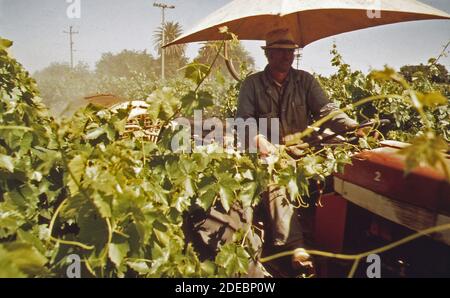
(362, 132)
(365, 131)
(297, 151)
(264, 146)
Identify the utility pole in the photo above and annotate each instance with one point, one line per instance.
(298, 57)
(163, 27)
(71, 33)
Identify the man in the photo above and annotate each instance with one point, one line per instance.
(296, 99)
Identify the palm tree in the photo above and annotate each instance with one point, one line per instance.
(172, 30)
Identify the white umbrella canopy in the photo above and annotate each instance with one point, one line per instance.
(308, 20)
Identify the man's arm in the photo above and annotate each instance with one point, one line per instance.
(247, 108)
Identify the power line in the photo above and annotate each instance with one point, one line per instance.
(71, 43)
(163, 27)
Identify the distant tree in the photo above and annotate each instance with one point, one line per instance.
(172, 31)
(236, 52)
(175, 56)
(436, 72)
(128, 74)
(63, 89)
(127, 64)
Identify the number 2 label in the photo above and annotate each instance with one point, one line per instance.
(377, 176)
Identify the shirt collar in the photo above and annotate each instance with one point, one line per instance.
(270, 80)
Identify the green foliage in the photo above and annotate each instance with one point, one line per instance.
(63, 89)
(346, 87)
(232, 259)
(128, 75)
(434, 72)
(19, 259)
(196, 72)
(78, 186)
(126, 64)
(426, 148)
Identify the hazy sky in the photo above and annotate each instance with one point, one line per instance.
(36, 27)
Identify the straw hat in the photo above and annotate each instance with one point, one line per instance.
(280, 39)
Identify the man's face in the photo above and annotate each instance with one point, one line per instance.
(280, 60)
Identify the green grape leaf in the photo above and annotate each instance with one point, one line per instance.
(5, 43)
(76, 167)
(206, 198)
(139, 267)
(25, 257)
(6, 162)
(431, 99)
(93, 228)
(117, 252)
(247, 193)
(196, 71)
(208, 268)
(233, 258)
(426, 149)
(226, 197)
(227, 187)
(95, 133)
(387, 74)
(189, 187)
(103, 206)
